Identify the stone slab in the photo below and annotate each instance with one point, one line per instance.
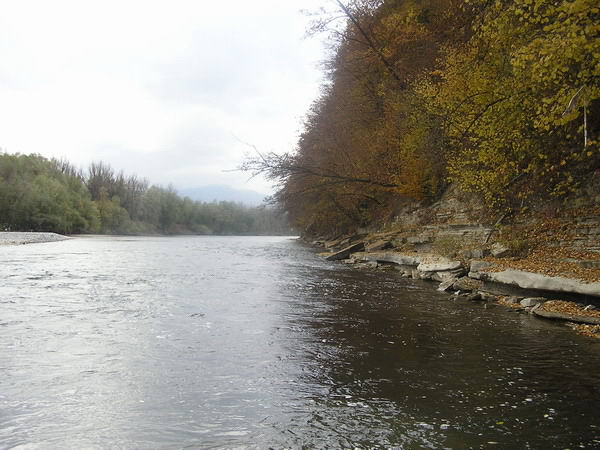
(392, 257)
(346, 252)
(529, 280)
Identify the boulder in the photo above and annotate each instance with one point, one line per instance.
(446, 285)
(531, 301)
(499, 250)
(478, 266)
(447, 275)
(346, 252)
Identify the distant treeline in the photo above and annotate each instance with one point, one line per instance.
(40, 194)
(500, 98)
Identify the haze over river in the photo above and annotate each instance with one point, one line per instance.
(210, 342)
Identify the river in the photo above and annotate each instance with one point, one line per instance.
(225, 342)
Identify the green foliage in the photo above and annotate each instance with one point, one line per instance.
(48, 195)
(34, 195)
(113, 217)
(512, 99)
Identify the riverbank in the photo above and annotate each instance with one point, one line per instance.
(20, 238)
(544, 261)
(554, 287)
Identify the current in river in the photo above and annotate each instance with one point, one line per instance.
(256, 342)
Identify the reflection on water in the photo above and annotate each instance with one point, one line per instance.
(224, 342)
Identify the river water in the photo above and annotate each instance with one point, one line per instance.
(225, 342)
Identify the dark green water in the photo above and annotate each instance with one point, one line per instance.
(207, 342)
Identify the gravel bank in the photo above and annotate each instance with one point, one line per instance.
(18, 238)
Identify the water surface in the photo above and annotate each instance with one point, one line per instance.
(221, 342)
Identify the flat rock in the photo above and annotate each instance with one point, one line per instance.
(378, 245)
(447, 275)
(478, 266)
(344, 242)
(529, 280)
(332, 244)
(446, 285)
(438, 265)
(346, 252)
(564, 316)
(392, 257)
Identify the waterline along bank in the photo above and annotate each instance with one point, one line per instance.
(489, 278)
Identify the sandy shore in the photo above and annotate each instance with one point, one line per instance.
(18, 238)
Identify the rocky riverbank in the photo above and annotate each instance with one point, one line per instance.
(19, 238)
(544, 261)
(487, 278)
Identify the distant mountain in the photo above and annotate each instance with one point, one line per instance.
(217, 192)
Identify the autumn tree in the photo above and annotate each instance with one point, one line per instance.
(518, 103)
(365, 144)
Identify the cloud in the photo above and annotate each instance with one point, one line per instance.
(153, 87)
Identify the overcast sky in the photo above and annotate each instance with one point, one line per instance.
(157, 88)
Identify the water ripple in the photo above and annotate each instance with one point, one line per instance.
(254, 342)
